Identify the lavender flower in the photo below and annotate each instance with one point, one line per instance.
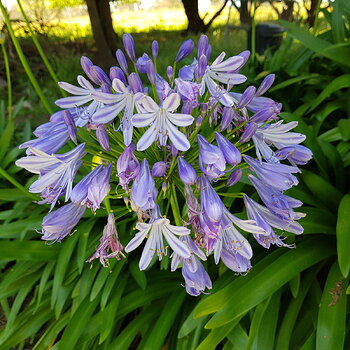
(230, 152)
(159, 169)
(128, 167)
(185, 49)
(156, 230)
(129, 46)
(161, 121)
(186, 172)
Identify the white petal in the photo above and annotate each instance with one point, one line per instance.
(119, 86)
(149, 105)
(84, 83)
(106, 98)
(137, 240)
(172, 102)
(141, 120)
(107, 114)
(178, 230)
(177, 138)
(180, 119)
(218, 59)
(229, 65)
(73, 101)
(75, 90)
(148, 138)
(176, 245)
(148, 251)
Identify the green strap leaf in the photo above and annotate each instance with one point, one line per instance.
(343, 235)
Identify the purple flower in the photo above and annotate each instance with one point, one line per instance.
(159, 169)
(265, 84)
(116, 72)
(128, 167)
(156, 230)
(185, 49)
(69, 121)
(203, 44)
(151, 72)
(141, 63)
(86, 64)
(248, 132)
(155, 49)
(110, 246)
(102, 137)
(60, 223)
(129, 46)
(211, 159)
(227, 118)
(57, 172)
(170, 72)
(246, 97)
(296, 154)
(144, 192)
(93, 188)
(278, 176)
(161, 122)
(99, 75)
(231, 153)
(186, 172)
(188, 91)
(234, 177)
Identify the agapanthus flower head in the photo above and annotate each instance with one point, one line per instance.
(180, 163)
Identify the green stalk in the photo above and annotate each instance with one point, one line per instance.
(40, 50)
(24, 60)
(107, 205)
(175, 206)
(253, 32)
(9, 178)
(8, 77)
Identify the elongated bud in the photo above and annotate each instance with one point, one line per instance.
(246, 97)
(151, 72)
(184, 50)
(231, 153)
(117, 73)
(203, 44)
(208, 52)
(211, 204)
(155, 49)
(227, 118)
(170, 72)
(186, 172)
(99, 75)
(129, 46)
(245, 54)
(263, 115)
(159, 169)
(135, 83)
(202, 65)
(265, 84)
(69, 121)
(164, 187)
(122, 61)
(102, 137)
(199, 121)
(234, 177)
(249, 132)
(86, 64)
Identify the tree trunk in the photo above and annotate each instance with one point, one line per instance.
(195, 22)
(244, 13)
(312, 13)
(287, 13)
(102, 30)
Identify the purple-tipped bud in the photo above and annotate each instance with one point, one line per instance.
(86, 64)
(117, 73)
(246, 97)
(265, 84)
(249, 132)
(122, 61)
(170, 72)
(199, 121)
(129, 46)
(128, 167)
(141, 63)
(164, 187)
(151, 72)
(234, 177)
(227, 118)
(99, 75)
(185, 49)
(203, 44)
(231, 153)
(202, 65)
(186, 172)
(102, 137)
(155, 49)
(135, 83)
(159, 169)
(69, 121)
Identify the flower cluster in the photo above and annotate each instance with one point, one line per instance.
(171, 142)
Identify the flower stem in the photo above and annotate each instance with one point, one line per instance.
(8, 77)
(24, 60)
(14, 182)
(175, 206)
(40, 50)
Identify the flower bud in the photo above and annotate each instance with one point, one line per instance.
(117, 73)
(135, 83)
(202, 65)
(246, 97)
(86, 64)
(203, 44)
(186, 172)
(249, 132)
(234, 177)
(122, 60)
(151, 72)
(69, 121)
(170, 72)
(227, 118)
(265, 84)
(141, 63)
(155, 49)
(231, 153)
(184, 50)
(102, 137)
(99, 75)
(159, 169)
(129, 46)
